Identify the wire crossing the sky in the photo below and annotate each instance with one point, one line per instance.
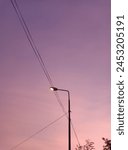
(39, 131)
(34, 48)
(31, 41)
(38, 56)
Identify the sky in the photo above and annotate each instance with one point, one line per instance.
(73, 38)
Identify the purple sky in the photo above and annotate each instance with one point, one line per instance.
(73, 38)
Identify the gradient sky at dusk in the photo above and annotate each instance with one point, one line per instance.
(73, 37)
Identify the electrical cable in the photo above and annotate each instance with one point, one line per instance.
(31, 41)
(34, 48)
(39, 131)
(38, 56)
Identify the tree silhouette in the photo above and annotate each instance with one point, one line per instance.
(107, 145)
(89, 145)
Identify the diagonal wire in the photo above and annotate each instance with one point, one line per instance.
(31, 41)
(39, 57)
(39, 131)
(34, 48)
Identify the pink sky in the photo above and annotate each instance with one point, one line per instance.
(73, 38)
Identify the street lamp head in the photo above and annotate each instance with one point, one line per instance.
(53, 89)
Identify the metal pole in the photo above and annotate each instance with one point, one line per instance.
(69, 116)
(69, 123)
(69, 119)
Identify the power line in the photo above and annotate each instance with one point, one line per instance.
(34, 48)
(38, 56)
(34, 134)
(31, 41)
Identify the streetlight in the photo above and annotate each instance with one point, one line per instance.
(69, 117)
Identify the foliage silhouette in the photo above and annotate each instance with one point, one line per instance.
(89, 145)
(107, 145)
